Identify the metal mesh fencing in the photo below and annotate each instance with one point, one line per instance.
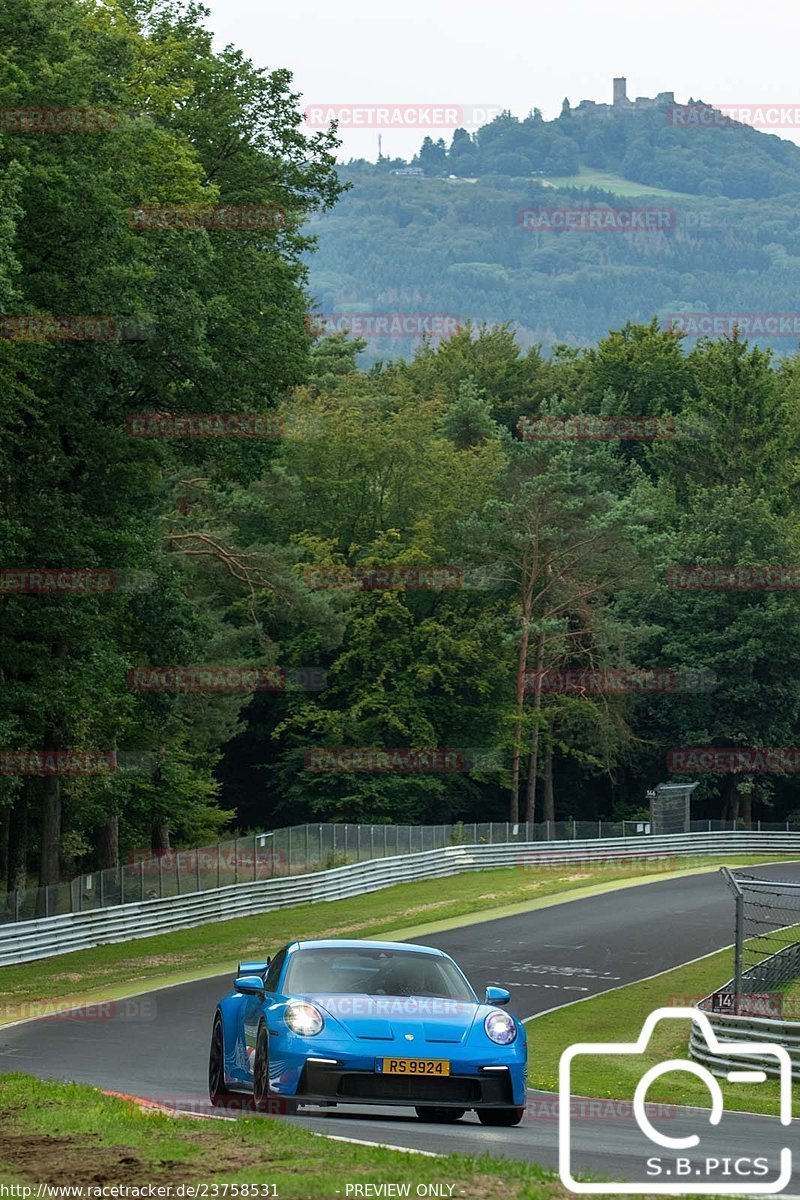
(766, 979)
(298, 850)
(295, 850)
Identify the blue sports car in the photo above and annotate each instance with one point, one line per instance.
(352, 1022)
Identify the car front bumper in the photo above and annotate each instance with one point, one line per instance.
(341, 1084)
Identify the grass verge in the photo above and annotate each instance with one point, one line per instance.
(72, 1135)
(618, 1017)
(109, 972)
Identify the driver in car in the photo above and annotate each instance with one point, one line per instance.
(406, 978)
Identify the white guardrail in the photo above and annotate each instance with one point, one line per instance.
(767, 980)
(729, 1028)
(29, 940)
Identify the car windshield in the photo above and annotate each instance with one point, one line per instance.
(375, 972)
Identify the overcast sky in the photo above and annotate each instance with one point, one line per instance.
(517, 53)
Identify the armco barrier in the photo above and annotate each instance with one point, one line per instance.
(301, 849)
(29, 940)
(764, 979)
(746, 1029)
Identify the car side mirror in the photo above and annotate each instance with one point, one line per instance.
(496, 995)
(250, 985)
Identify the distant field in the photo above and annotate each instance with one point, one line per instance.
(588, 177)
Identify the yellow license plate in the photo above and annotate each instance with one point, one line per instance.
(416, 1066)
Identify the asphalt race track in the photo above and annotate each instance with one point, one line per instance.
(157, 1046)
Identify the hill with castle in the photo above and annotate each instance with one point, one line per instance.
(650, 140)
(442, 234)
(620, 105)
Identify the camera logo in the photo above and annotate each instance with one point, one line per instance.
(674, 1172)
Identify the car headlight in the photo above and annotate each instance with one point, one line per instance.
(500, 1028)
(304, 1019)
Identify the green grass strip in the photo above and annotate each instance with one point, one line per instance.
(618, 1016)
(74, 1135)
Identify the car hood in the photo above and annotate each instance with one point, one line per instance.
(430, 1020)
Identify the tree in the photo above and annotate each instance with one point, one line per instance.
(562, 536)
(380, 478)
(433, 156)
(220, 320)
(726, 499)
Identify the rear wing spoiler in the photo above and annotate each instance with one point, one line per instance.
(253, 968)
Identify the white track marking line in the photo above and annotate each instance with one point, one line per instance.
(646, 979)
(335, 1137)
(619, 988)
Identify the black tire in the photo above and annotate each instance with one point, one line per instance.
(440, 1116)
(265, 1101)
(218, 1090)
(501, 1116)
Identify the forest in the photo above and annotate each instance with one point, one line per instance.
(237, 561)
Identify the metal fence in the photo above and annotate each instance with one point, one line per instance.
(761, 987)
(296, 851)
(767, 927)
(760, 1003)
(142, 918)
(729, 1028)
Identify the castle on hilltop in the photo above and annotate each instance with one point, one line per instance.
(621, 104)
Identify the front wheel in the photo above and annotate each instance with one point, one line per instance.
(501, 1116)
(218, 1090)
(440, 1116)
(264, 1101)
